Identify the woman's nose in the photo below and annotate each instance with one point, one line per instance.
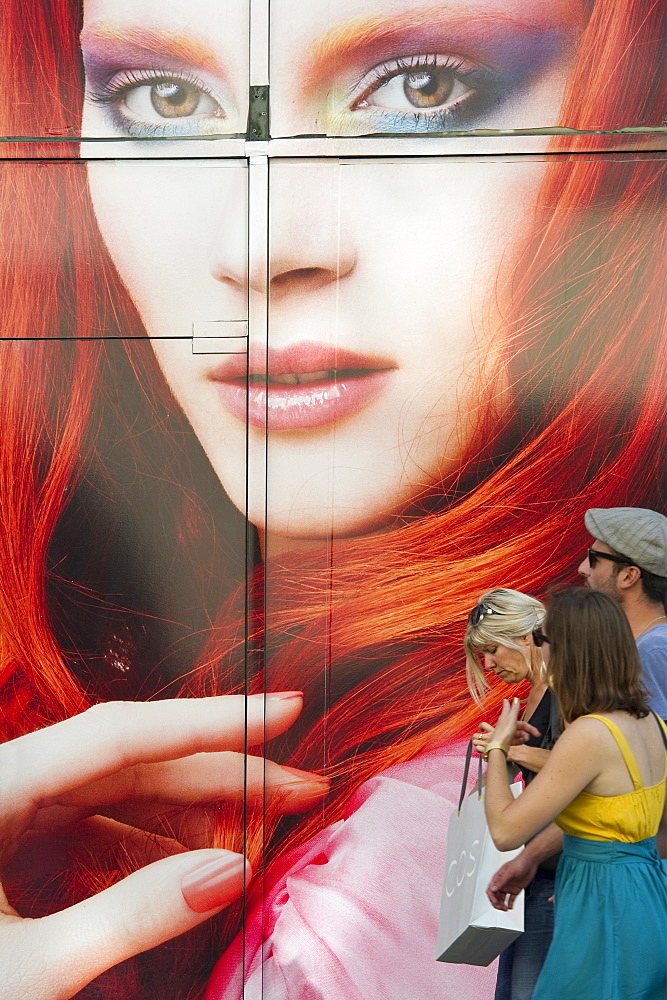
(308, 246)
(489, 662)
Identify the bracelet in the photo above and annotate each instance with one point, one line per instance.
(495, 746)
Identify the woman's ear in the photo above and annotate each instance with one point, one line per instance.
(525, 640)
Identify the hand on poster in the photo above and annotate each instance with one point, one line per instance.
(122, 768)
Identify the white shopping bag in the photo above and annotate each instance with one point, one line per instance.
(471, 931)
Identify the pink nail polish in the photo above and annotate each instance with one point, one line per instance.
(284, 695)
(215, 883)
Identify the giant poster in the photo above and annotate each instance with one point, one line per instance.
(318, 321)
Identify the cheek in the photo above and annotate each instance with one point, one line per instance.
(164, 224)
(449, 237)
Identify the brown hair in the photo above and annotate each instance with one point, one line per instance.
(593, 663)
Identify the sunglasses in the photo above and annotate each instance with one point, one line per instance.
(594, 555)
(539, 638)
(480, 611)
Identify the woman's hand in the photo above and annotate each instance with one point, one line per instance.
(524, 731)
(505, 729)
(134, 768)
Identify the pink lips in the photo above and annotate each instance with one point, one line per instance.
(298, 387)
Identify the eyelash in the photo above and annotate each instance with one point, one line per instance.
(479, 78)
(111, 94)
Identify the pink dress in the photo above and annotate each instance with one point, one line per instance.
(352, 914)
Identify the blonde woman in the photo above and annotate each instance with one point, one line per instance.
(504, 637)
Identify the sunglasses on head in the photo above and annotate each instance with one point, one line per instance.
(480, 611)
(594, 555)
(539, 638)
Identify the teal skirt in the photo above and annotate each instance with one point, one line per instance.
(610, 934)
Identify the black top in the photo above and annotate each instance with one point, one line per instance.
(546, 718)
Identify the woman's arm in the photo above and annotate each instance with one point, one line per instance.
(532, 758)
(577, 758)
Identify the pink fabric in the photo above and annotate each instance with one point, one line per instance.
(352, 914)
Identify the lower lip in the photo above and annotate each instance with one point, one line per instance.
(300, 407)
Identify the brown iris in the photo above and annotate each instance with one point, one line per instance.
(174, 98)
(428, 88)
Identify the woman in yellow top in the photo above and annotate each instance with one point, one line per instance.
(604, 785)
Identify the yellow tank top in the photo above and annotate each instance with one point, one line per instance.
(628, 818)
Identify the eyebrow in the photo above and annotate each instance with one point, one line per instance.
(373, 35)
(101, 38)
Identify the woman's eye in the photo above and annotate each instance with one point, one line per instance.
(169, 98)
(144, 104)
(426, 93)
(428, 88)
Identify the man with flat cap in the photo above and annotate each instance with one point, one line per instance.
(628, 560)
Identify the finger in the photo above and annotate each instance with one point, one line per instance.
(510, 713)
(486, 727)
(44, 765)
(501, 894)
(525, 727)
(290, 790)
(203, 777)
(56, 956)
(504, 712)
(496, 898)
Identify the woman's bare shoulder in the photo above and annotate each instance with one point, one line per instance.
(585, 734)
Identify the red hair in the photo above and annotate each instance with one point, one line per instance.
(383, 615)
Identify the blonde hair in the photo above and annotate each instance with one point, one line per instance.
(505, 616)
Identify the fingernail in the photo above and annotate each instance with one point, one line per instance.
(215, 882)
(283, 695)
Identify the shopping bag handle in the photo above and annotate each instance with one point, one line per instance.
(466, 769)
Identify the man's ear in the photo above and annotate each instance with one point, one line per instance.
(628, 577)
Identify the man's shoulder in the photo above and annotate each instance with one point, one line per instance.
(655, 640)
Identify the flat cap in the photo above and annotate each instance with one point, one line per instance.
(635, 532)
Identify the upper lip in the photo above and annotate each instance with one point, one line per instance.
(302, 358)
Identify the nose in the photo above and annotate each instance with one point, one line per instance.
(309, 246)
(489, 662)
(584, 568)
